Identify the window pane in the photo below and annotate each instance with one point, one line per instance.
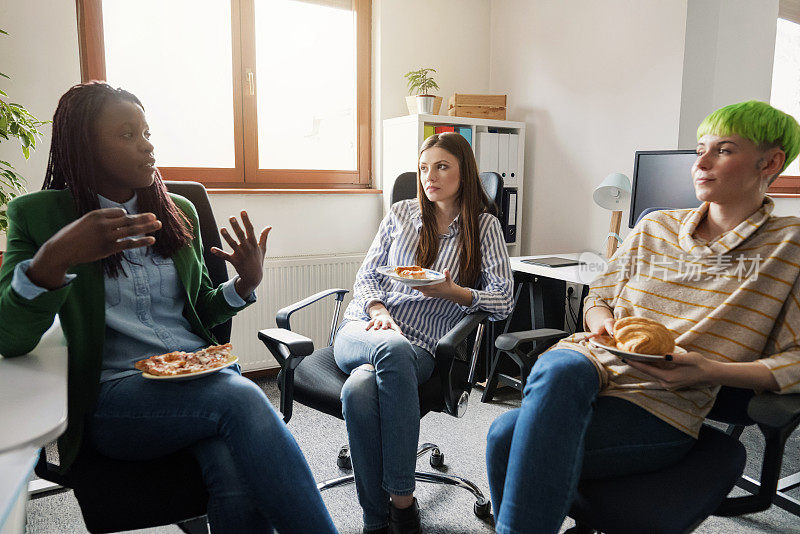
(306, 72)
(176, 57)
(786, 76)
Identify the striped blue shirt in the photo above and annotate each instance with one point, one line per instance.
(424, 320)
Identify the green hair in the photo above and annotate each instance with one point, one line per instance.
(759, 122)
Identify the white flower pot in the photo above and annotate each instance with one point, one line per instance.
(425, 104)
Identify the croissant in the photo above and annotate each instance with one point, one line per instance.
(644, 336)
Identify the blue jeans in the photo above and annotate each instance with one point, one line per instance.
(564, 432)
(255, 473)
(381, 409)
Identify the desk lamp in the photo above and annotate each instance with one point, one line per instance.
(613, 194)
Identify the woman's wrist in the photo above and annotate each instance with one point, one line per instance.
(595, 317)
(243, 289)
(463, 296)
(747, 375)
(47, 269)
(376, 308)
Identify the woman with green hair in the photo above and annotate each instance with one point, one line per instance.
(723, 279)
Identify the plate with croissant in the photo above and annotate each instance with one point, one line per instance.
(639, 339)
(412, 276)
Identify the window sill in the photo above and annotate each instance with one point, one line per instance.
(242, 191)
(785, 187)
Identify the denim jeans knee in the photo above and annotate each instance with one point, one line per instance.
(565, 370)
(360, 390)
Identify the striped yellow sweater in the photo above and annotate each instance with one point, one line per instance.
(735, 299)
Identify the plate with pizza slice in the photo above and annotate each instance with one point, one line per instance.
(412, 275)
(187, 365)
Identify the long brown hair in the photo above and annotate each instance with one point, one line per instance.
(73, 165)
(472, 202)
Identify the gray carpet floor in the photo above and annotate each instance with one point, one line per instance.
(443, 509)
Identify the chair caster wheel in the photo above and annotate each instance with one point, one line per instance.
(437, 458)
(482, 510)
(343, 460)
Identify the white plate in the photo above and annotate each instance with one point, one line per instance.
(432, 277)
(191, 376)
(635, 356)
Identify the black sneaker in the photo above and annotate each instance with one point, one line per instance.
(381, 530)
(404, 520)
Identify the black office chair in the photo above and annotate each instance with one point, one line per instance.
(680, 497)
(311, 377)
(117, 495)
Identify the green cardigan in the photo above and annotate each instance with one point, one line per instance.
(80, 305)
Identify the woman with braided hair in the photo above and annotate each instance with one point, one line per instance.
(120, 261)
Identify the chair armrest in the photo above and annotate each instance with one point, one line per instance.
(288, 347)
(456, 373)
(511, 340)
(777, 416)
(455, 336)
(776, 411)
(283, 315)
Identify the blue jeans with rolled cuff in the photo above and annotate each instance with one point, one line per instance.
(381, 411)
(562, 433)
(257, 477)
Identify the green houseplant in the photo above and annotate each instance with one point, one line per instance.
(16, 123)
(422, 84)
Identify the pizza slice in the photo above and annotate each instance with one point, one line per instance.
(181, 363)
(413, 271)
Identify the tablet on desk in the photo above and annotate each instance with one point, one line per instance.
(552, 261)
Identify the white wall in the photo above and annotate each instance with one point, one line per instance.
(594, 81)
(451, 36)
(730, 46)
(40, 54)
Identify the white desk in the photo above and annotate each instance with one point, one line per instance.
(33, 412)
(584, 274)
(547, 285)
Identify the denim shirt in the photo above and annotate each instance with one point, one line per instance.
(143, 307)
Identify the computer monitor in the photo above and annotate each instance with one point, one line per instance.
(662, 179)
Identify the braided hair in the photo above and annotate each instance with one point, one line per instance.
(73, 165)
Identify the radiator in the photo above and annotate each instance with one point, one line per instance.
(286, 280)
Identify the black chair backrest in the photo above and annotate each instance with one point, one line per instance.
(209, 233)
(492, 184)
(405, 187)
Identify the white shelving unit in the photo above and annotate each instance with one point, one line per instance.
(402, 137)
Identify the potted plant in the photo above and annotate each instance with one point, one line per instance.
(15, 123)
(420, 83)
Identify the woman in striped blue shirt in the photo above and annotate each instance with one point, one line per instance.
(389, 331)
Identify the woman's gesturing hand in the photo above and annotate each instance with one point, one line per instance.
(248, 253)
(97, 235)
